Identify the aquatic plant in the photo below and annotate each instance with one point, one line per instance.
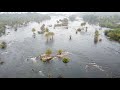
(65, 60)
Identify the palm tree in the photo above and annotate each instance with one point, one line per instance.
(65, 60)
(48, 52)
(52, 34)
(47, 35)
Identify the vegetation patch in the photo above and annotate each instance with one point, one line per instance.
(113, 34)
(65, 60)
(3, 45)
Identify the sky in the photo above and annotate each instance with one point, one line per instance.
(44, 12)
(69, 13)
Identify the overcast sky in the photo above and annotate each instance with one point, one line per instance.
(44, 12)
(68, 13)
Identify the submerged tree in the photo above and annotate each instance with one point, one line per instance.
(46, 30)
(52, 34)
(47, 35)
(83, 24)
(42, 27)
(96, 36)
(86, 29)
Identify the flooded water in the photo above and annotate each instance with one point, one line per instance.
(87, 59)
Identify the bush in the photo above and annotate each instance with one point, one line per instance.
(65, 60)
(48, 52)
(46, 30)
(113, 34)
(96, 33)
(3, 45)
(59, 52)
(33, 30)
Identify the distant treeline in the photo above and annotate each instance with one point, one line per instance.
(20, 19)
(110, 21)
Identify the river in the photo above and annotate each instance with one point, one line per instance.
(87, 59)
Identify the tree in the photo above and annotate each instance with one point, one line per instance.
(59, 52)
(96, 33)
(83, 24)
(33, 30)
(46, 30)
(47, 35)
(48, 52)
(3, 45)
(42, 27)
(65, 60)
(52, 34)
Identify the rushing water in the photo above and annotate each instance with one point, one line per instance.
(87, 59)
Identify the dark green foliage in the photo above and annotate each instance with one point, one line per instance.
(19, 19)
(113, 34)
(65, 60)
(3, 45)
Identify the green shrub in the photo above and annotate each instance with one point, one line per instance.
(48, 52)
(3, 45)
(59, 52)
(65, 60)
(113, 34)
(33, 30)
